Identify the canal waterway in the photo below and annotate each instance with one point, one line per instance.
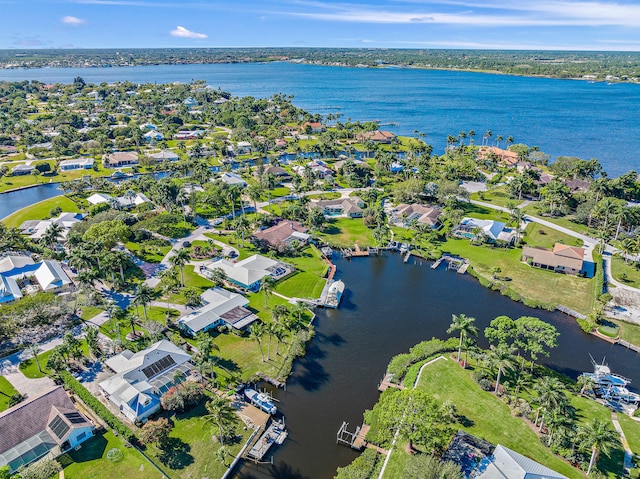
(388, 307)
(13, 201)
(562, 117)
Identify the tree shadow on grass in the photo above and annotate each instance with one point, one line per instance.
(175, 453)
(91, 450)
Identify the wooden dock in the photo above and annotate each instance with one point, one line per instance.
(386, 383)
(268, 379)
(437, 263)
(407, 256)
(355, 252)
(463, 269)
(274, 434)
(355, 440)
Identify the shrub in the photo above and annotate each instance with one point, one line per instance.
(479, 374)
(368, 464)
(100, 409)
(183, 396)
(155, 431)
(40, 470)
(401, 362)
(485, 385)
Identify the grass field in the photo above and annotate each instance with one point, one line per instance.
(537, 284)
(191, 451)
(90, 461)
(534, 210)
(491, 419)
(626, 273)
(40, 210)
(345, 232)
(149, 251)
(191, 280)
(307, 281)
(29, 367)
(497, 196)
(13, 182)
(543, 237)
(631, 429)
(6, 391)
(629, 331)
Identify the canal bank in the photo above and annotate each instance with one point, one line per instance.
(388, 307)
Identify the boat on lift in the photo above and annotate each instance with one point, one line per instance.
(603, 377)
(261, 400)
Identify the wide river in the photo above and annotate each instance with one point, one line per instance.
(388, 307)
(562, 117)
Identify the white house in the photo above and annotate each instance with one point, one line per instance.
(20, 170)
(97, 198)
(507, 464)
(47, 276)
(37, 228)
(233, 179)
(351, 207)
(165, 155)
(131, 201)
(221, 307)
(492, 230)
(249, 272)
(48, 424)
(153, 135)
(243, 148)
(77, 164)
(142, 378)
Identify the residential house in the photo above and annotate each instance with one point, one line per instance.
(278, 172)
(416, 213)
(165, 155)
(153, 135)
(491, 230)
(396, 167)
(37, 228)
(97, 198)
(561, 259)
(243, 148)
(27, 277)
(77, 164)
(378, 136)
(505, 157)
(507, 464)
(149, 126)
(47, 425)
(318, 168)
(20, 170)
(284, 232)
(120, 159)
(142, 378)
(249, 272)
(313, 127)
(233, 179)
(577, 184)
(8, 149)
(190, 102)
(188, 135)
(220, 307)
(351, 207)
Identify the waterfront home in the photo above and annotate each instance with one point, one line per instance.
(37, 228)
(129, 201)
(142, 378)
(378, 136)
(120, 159)
(153, 135)
(97, 198)
(165, 155)
(351, 207)
(284, 232)
(504, 157)
(46, 425)
(242, 148)
(233, 179)
(577, 184)
(28, 277)
(220, 308)
(508, 464)
(278, 172)
(561, 259)
(77, 164)
(20, 170)
(312, 127)
(473, 228)
(404, 215)
(249, 272)
(190, 102)
(318, 168)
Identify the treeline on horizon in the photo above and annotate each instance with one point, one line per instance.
(625, 66)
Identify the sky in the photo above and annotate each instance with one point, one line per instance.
(461, 24)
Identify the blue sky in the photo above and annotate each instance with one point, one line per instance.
(491, 24)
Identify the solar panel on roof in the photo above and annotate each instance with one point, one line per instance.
(59, 427)
(74, 417)
(159, 366)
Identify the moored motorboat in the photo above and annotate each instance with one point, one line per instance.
(261, 400)
(334, 294)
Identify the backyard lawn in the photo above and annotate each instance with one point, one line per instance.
(40, 210)
(6, 391)
(307, 281)
(149, 251)
(91, 462)
(491, 419)
(544, 237)
(191, 451)
(29, 367)
(631, 429)
(191, 280)
(536, 284)
(498, 196)
(155, 313)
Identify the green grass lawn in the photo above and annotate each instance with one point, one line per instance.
(626, 273)
(537, 284)
(149, 251)
(534, 210)
(89, 312)
(13, 182)
(482, 213)
(191, 280)
(40, 210)
(330, 195)
(497, 196)
(29, 367)
(6, 391)
(345, 232)
(90, 461)
(544, 237)
(631, 429)
(154, 313)
(192, 451)
(307, 281)
(489, 417)
(628, 331)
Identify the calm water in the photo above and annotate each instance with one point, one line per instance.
(562, 117)
(16, 200)
(388, 307)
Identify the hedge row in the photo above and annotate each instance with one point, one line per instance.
(400, 363)
(100, 409)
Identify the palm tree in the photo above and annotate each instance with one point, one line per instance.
(550, 395)
(133, 319)
(501, 357)
(34, 349)
(258, 331)
(222, 414)
(51, 235)
(463, 324)
(179, 259)
(516, 218)
(598, 436)
(267, 287)
(143, 295)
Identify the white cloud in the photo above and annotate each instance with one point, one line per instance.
(74, 21)
(184, 33)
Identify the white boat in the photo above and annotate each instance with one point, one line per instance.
(334, 294)
(261, 400)
(620, 393)
(603, 377)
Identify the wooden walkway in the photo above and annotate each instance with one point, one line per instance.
(360, 440)
(355, 252)
(386, 383)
